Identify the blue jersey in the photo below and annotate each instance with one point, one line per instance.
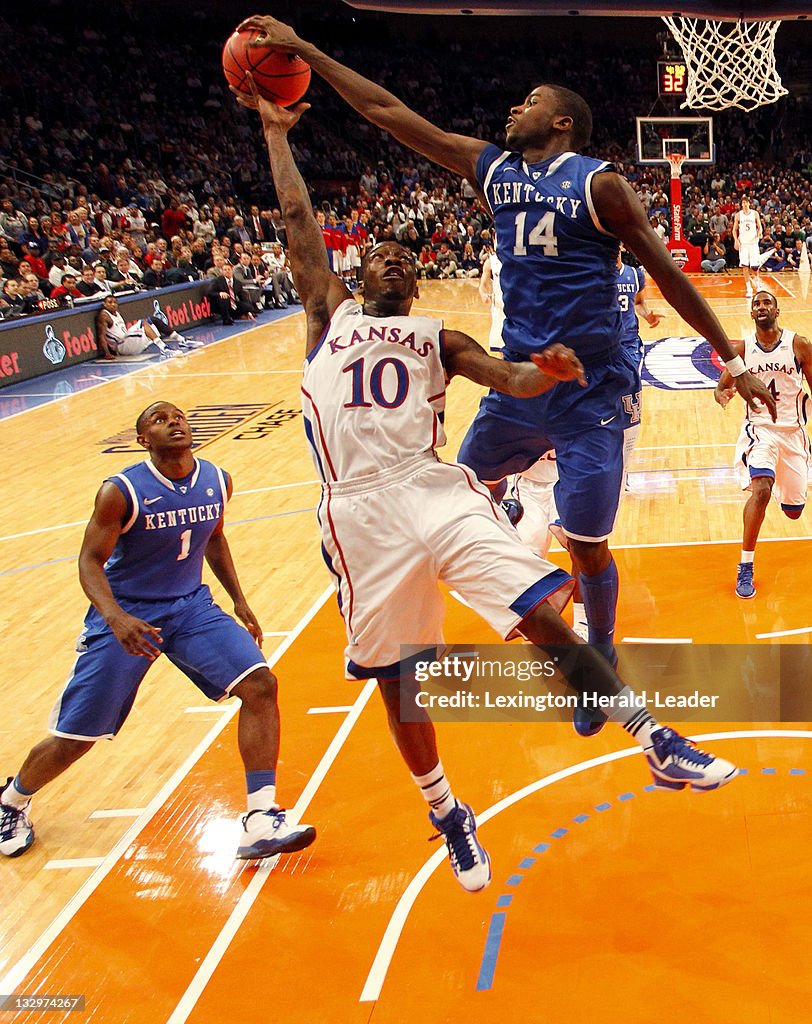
(630, 281)
(559, 266)
(168, 524)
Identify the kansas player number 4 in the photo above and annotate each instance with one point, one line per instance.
(543, 234)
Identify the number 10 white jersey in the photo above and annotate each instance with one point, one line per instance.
(373, 392)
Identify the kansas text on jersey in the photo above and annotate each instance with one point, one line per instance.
(781, 372)
(373, 392)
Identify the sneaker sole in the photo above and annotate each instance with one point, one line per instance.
(745, 597)
(21, 851)
(670, 785)
(271, 847)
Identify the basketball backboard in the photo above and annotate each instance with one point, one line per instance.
(692, 137)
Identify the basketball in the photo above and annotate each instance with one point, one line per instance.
(280, 77)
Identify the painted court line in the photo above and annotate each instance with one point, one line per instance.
(18, 972)
(657, 640)
(338, 709)
(784, 632)
(75, 862)
(118, 812)
(246, 901)
(397, 921)
(205, 709)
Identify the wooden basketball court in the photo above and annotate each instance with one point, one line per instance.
(609, 901)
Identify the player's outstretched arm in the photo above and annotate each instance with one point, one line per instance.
(319, 289)
(463, 357)
(456, 152)
(620, 212)
(135, 636)
(218, 557)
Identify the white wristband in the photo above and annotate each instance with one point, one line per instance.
(735, 366)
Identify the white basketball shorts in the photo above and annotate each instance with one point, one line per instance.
(780, 452)
(750, 255)
(390, 538)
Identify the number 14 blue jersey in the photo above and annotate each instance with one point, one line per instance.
(559, 275)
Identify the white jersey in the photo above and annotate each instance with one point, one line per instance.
(373, 392)
(117, 329)
(780, 371)
(497, 306)
(748, 231)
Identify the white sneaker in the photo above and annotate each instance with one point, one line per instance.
(170, 353)
(267, 833)
(174, 336)
(16, 831)
(581, 629)
(190, 343)
(469, 861)
(676, 763)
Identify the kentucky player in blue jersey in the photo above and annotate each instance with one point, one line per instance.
(559, 218)
(141, 567)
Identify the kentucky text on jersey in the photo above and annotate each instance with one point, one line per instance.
(182, 516)
(380, 332)
(559, 263)
(168, 524)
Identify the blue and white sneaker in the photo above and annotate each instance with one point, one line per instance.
(676, 763)
(267, 833)
(513, 509)
(16, 831)
(469, 861)
(744, 581)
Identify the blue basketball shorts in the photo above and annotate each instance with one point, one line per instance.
(587, 428)
(208, 646)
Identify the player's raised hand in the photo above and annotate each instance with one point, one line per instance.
(249, 620)
(136, 636)
(272, 115)
(560, 362)
(755, 391)
(274, 33)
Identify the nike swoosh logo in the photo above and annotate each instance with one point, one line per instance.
(603, 422)
(150, 501)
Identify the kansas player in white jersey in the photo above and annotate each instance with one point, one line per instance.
(140, 565)
(395, 520)
(747, 232)
(772, 458)
(490, 291)
(559, 218)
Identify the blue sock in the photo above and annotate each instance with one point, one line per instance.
(599, 594)
(261, 787)
(21, 788)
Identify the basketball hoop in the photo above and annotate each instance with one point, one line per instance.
(730, 64)
(676, 160)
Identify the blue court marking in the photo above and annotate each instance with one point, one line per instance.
(493, 941)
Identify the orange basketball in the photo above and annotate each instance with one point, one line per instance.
(280, 77)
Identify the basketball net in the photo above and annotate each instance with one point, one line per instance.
(676, 160)
(730, 64)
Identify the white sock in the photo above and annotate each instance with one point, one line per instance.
(578, 614)
(12, 797)
(263, 799)
(635, 720)
(747, 557)
(436, 791)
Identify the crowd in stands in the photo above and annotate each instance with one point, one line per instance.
(156, 177)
